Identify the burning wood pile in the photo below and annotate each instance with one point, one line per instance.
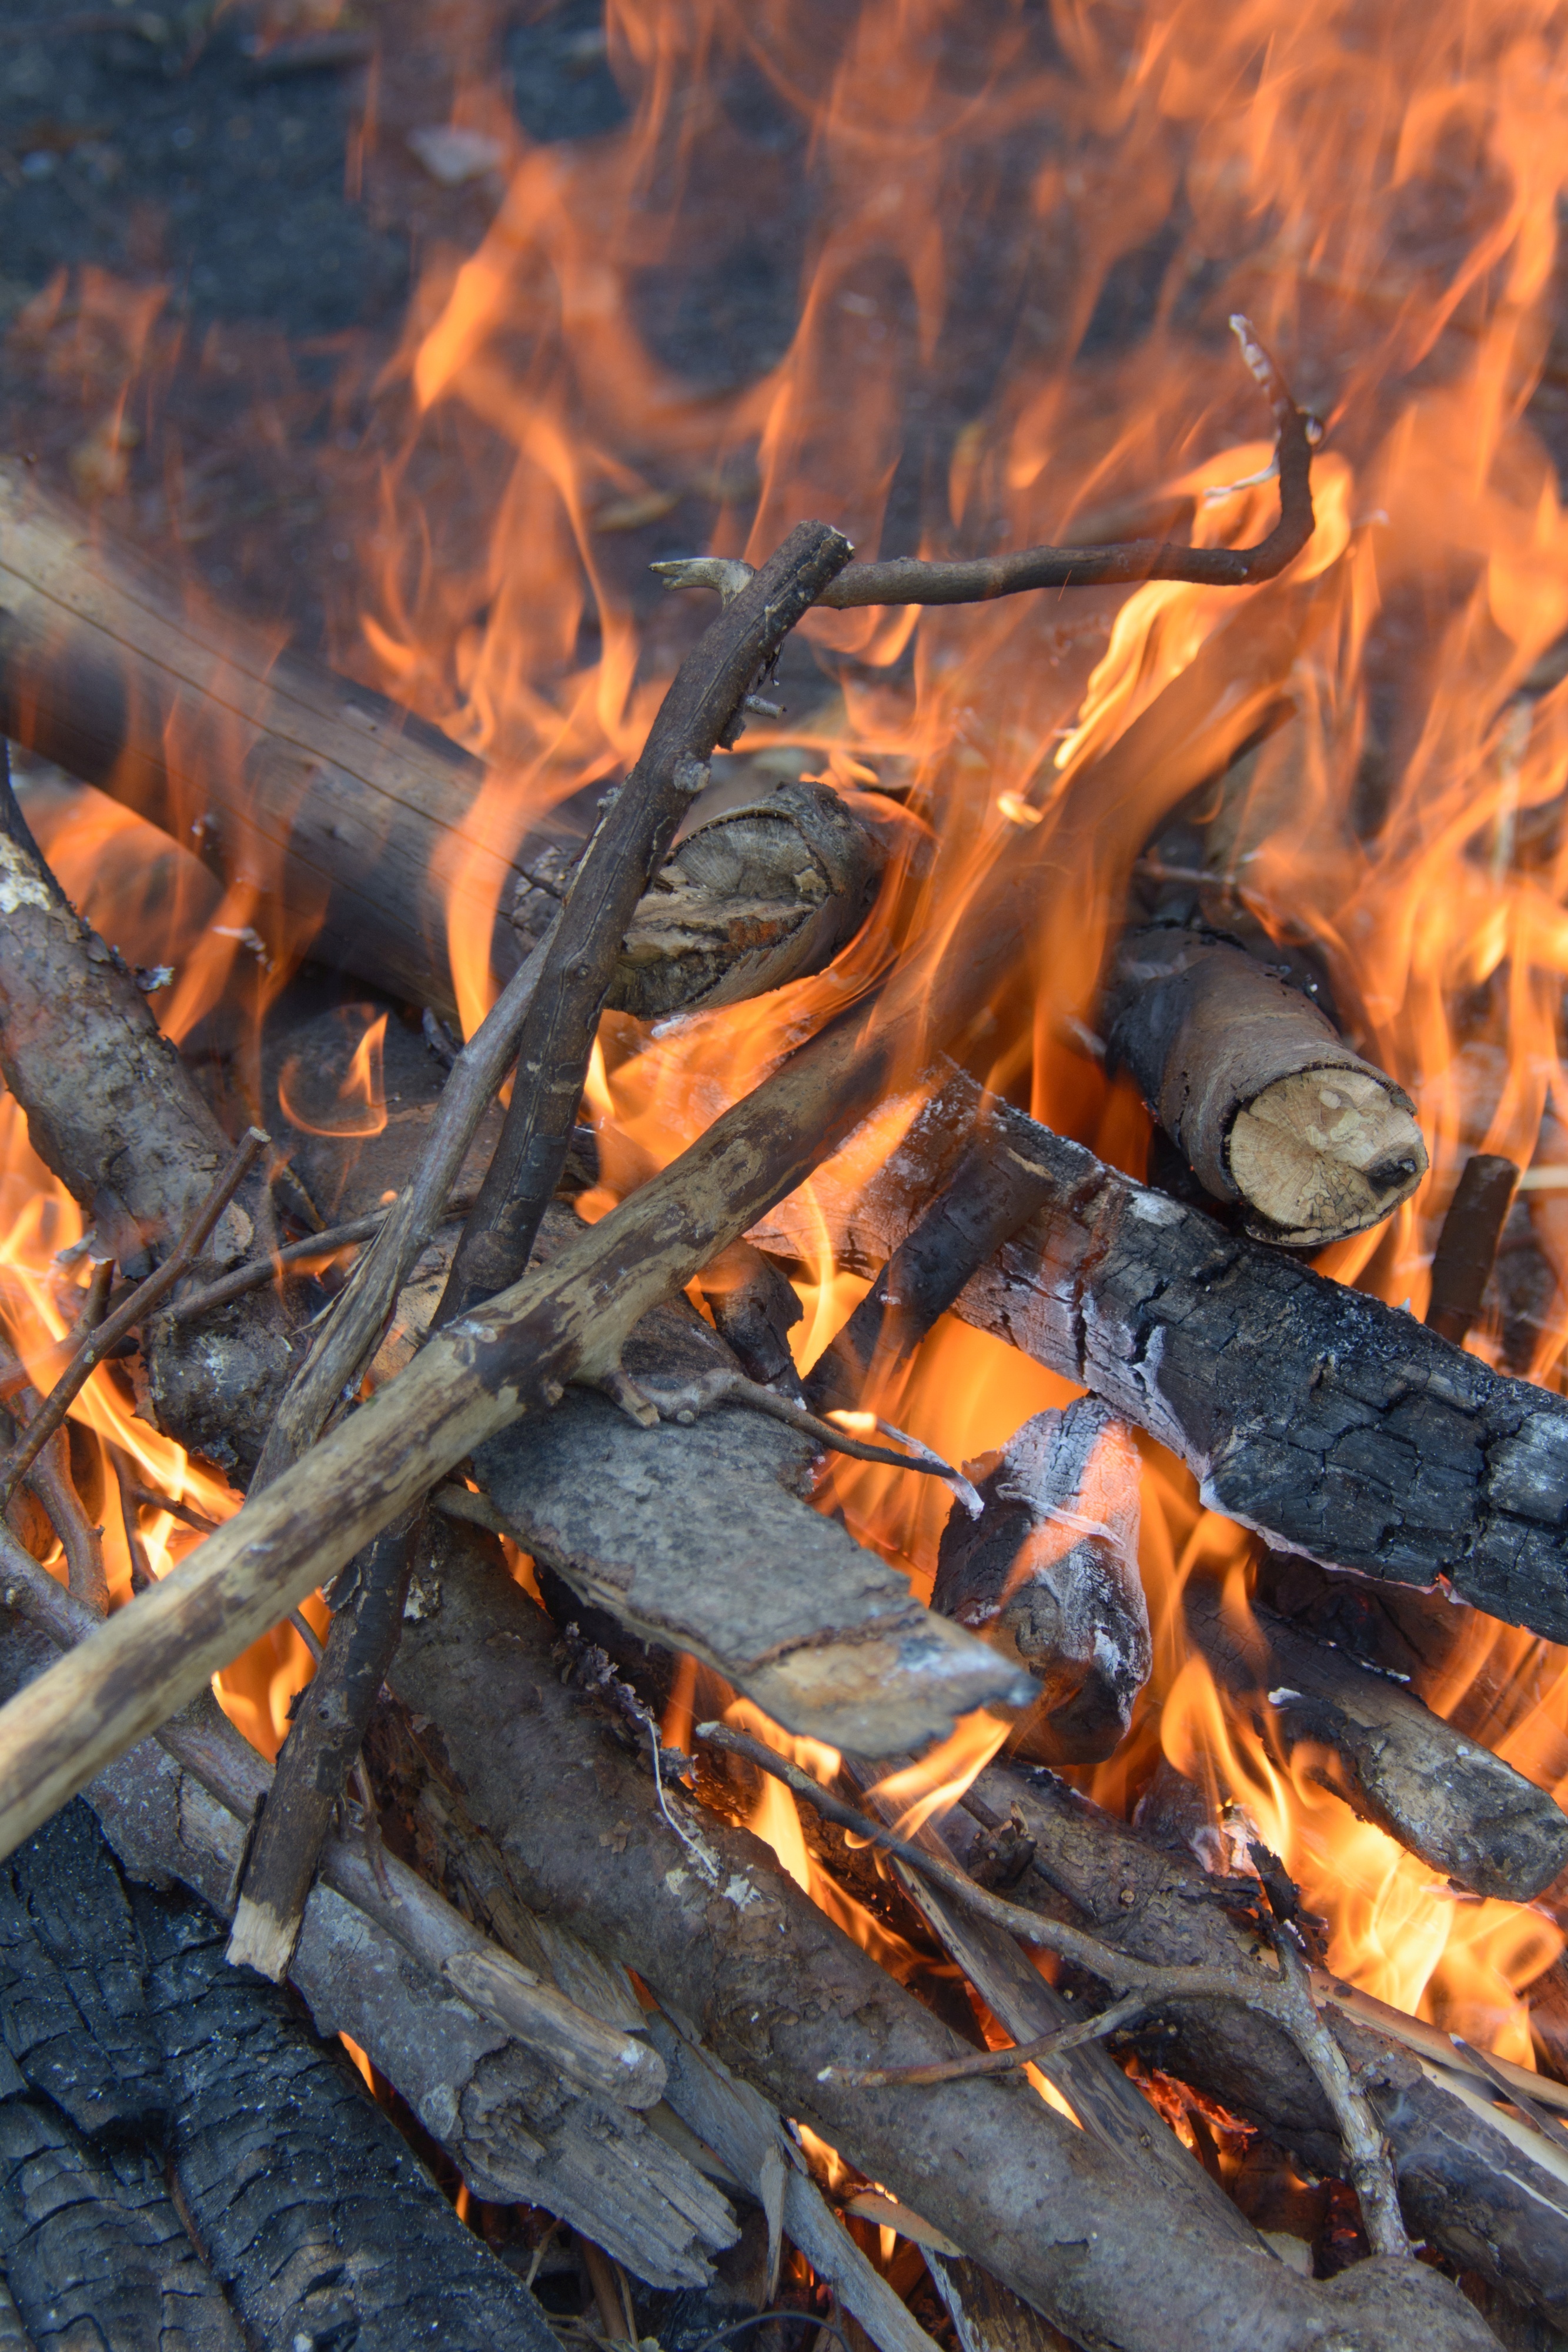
(496, 1562)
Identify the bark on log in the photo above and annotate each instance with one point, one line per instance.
(720, 1934)
(1395, 1762)
(680, 1533)
(1332, 1425)
(293, 2207)
(1257, 1089)
(1049, 1575)
(112, 1111)
(1462, 2181)
(489, 2090)
(344, 810)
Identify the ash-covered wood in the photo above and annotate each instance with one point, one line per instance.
(1257, 1089)
(1468, 1243)
(1333, 1424)
(1461, 2182)
(680, 1532)
(181, 2160)
(1049, 1575)
(316, 1756)
(720, 1933)
(1446, 1799)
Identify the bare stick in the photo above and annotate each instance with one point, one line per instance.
(353, 1331)
(315, 1760)
(257, 1272)
(904, 580)
(700, 711)
(1466, 1244)
(98, 1344)
(1054, 2044)
(1285, 1997)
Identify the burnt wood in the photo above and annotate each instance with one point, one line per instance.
(721, 1934)
(1446, 1799)
(1466, 1243)
(1049, 1574)
(1461, 2183)
(1312, 1413)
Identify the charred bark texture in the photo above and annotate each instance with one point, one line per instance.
(183, 2162)
(1258, 1090)
(1461, 2182)
(1395, 1762)
(1331, 1423)
(1049, 1575)
(723, 1936)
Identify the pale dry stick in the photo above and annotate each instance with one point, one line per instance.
(353, 1329)
(97, 1344)
(259, 1271)
(1285, 1998)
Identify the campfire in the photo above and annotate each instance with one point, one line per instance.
(782, 1362)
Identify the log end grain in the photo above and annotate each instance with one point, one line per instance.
(1325, 1152)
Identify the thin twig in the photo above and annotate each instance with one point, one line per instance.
(1054, 2044)
(97, 1344)
(359, 1316)
(1284, 1997)
(905, 580)
(257, 1272)
(141, 1564)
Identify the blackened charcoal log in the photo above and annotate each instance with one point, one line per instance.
(289, 2204)
(987, 1197)
(720, 1934)
(754, 1308)
(754, 897)
(1462, 2183)
(1454, 1804)
(1332, 1425)
(1049, 1575)
(514, 2114)
(679, 1532)
(1267, 1103)
(111, 1110)
(1467, 1243)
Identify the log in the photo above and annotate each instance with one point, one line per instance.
(544, 2101)
(292, 2208)
(1049, 1575)
(722, 1937)
(754, 1309)
(679, 1532)
(1466, 1244)
(1326, 1422)
(112, 1111)
(342, 812)
(1463, 2181)
(1454, 1804)
(1257, 1089)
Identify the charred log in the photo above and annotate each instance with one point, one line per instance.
(1049, 1575)
(721, 1934)
(1312, 1413)
(1255, 1087)
(1394, 1761)
(292, 2205)
(1467, 1243)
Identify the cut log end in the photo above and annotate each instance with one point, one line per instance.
(1324, 1153)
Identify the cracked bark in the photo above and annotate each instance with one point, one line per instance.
(1330, 1423)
